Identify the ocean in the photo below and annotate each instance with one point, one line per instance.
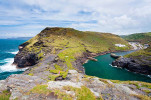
(8, 49)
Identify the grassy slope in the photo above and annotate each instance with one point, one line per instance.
(69, 44)
(140, 55)
(144, 56)
(140, 37)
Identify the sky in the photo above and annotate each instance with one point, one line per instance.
(26, 18)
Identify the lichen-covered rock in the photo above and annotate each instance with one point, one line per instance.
(21, 84)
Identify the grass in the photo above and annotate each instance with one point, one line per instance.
(5, 95)
(31, 74)
(63, 95)
(140, 37)
(138, 84)
(139, 53)
(63, 74)
(40, 89)
(142, 97)
(52, 77)
(57, 67)
(82, 93)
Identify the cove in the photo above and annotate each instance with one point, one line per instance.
(103, 69)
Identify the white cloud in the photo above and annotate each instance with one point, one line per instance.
(118, 16)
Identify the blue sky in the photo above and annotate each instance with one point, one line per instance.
(25, 18)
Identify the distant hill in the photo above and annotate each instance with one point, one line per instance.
(138, 37)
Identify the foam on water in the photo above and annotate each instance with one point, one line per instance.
(8, 67)
(14, 52)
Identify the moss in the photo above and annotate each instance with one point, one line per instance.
(40, 89)
(31, 74)
(40, 55)
(82, 93)
(57, 67)
(53, 77)
(147, 91)
(142, 97)
(136, 83)
(63, 74)
(63, 95)
(5, 95)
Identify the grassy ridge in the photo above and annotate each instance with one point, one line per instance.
(69, 44)
(140, 37)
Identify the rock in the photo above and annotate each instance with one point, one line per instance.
(132, 65)
(60, 84)
(114, 55)
(19, 84)
(93, 59)
(28, 59)
(3, 85)
(20, 47)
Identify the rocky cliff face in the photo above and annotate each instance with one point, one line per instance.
(133, 65)
(138, 61)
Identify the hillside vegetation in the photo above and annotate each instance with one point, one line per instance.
(143, 56)
(69, 44)
(139, 37)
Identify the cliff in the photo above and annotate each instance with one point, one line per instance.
(138, 61)
(55, 57)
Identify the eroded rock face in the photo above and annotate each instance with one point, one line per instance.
(25, 59)
(132, 65)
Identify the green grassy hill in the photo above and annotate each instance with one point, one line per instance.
(69, 44)
(139, 37)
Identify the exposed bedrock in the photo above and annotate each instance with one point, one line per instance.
(132, 65)
(28, 59)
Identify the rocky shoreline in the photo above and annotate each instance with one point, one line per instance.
(132, 65)
(136, 62)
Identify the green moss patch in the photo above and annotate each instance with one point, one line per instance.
(82, 93)
(5, 95)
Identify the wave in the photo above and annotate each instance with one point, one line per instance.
(8, 67)
(14, 52)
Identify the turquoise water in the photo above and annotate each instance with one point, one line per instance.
(103, 69)
(8, 49)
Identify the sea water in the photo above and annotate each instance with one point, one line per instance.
(8, 49)
(104, 69)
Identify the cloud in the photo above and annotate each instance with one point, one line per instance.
(115, 16)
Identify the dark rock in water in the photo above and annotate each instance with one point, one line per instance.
(114, 55)
(132, 65)
(91, 58)
(28, 59)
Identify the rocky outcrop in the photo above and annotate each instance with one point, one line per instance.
(75, 86)
(25, 59)
(133, 65)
